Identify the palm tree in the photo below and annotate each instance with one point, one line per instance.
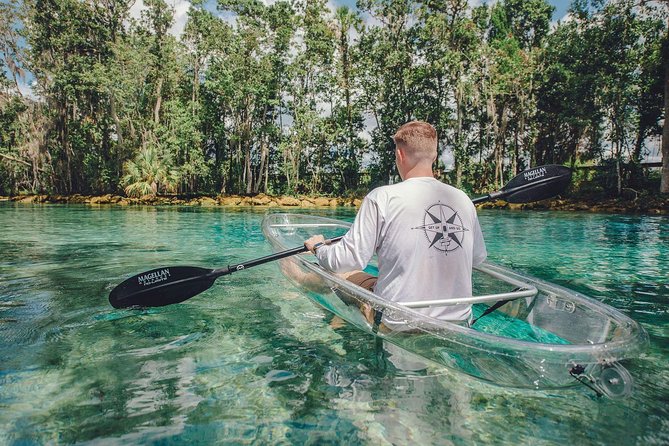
(147, 173)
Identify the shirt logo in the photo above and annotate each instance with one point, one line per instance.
(443, 228)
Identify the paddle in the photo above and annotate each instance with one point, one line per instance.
(164, 286)
(531, 185)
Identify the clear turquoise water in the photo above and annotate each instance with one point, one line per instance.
(251, 361)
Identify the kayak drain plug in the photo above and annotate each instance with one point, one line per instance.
(578, 370)
(608, 379)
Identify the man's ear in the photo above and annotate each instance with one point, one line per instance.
(400, 154)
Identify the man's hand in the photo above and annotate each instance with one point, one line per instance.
(313, 241)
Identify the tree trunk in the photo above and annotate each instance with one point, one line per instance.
(520, 136)
(64, 144)
(664, 183)
(499, 146)
(261, 170)
(115, 118)
(516, 154)
(458, 149)
(196, 85)
(265, 189)
(619, 179)
(248, 172)
(159, 100)
(33, 165)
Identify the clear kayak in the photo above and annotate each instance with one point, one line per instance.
(545, 337)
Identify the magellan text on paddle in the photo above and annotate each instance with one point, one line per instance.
(533, 174)
(154, 277)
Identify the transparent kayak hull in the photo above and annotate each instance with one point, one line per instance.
(545, 337)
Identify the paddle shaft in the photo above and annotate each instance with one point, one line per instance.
(270, 258)
(500, 194)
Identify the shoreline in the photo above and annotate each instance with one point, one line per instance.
(258, 200)
(638, 206)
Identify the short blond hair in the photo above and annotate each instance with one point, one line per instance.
(419, 139)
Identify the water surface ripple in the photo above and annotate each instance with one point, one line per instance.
(251, 361)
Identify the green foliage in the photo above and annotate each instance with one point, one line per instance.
(149, 174)
(598, 100)
(292, 97)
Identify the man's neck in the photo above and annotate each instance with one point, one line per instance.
(419, 171)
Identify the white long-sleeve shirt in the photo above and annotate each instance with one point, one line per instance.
(427, 237)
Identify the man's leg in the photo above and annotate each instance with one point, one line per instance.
(366, 281)
(362, 279)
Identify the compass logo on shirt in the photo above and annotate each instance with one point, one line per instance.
(443, 228)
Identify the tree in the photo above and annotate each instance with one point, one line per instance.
(148, 173)
(386, 60)
(22, 159)
(70, 46)
(346, 111)
(448, 46)
(664, 183)
(515, 38)
(600, 96)
(275, 96)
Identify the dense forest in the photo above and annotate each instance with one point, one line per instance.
(291, 97)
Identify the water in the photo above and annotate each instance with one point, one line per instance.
(251, 361)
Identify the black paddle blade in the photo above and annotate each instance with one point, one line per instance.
(537, 184)
(162, 286)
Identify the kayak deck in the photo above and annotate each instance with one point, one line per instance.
(536, 340)
(497, 323)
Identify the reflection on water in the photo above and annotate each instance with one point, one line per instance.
(253, 361)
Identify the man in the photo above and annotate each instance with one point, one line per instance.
(425, 233)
